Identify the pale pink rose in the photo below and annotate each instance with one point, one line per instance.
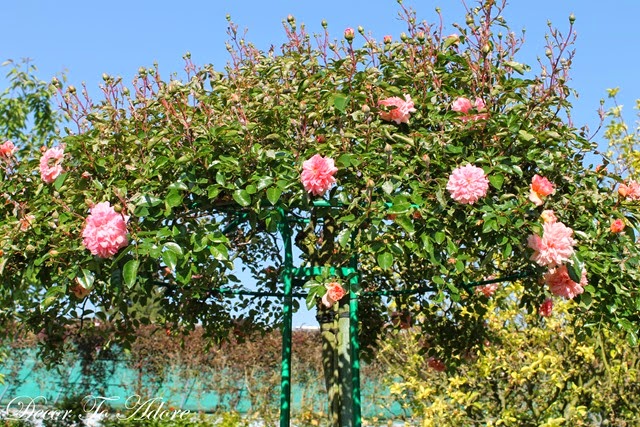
(399, 111)
(467, 184)
(461, 105)
(555, 247)
(546, 308)
(540, 187)
(26, 222)
(617, 226)
(318, 174)
(334, 293)
(105, 231)
(7, 149)
(479, 104)
(630, 191)
(488, 289)
(560, 284)
(50, 164)
(548, 216)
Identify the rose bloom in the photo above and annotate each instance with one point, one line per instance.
(26, 221)
(548, 216)
(467, 184)
(488, 289)
(540, 187)
(555, 246)
(7, 149)
(546, 307)
(479, 104)
(105, 231)
(560, 284)
(349, 34)
(387, 39)
(334, 293)
(400, 109)
(617, 226)
(461, 105)
(630, 191)
(318, 174)
(50, 164)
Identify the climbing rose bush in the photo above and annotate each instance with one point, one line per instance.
(51, 164)
(467, 184)
(318, 174)
(105, 231)
(399, 110)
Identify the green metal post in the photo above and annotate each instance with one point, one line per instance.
(287, 323)
(355, 345)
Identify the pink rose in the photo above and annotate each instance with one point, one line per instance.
(554, 247)
(387, 39)
(540, 187)
(400, 109)
(461, 105)
(546, 307)
(334, 293)
(26, 222)
(548, 216)
(479, 104)
(488, 289)
(7, 149)
(467, 184)
(617, 226)
(560, 284)
(631, 191)
(105, 231)
(50, 164)
(318, 174)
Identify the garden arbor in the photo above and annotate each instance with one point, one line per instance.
(437, 160)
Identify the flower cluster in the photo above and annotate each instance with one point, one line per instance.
(631, 190)
(105, 231)
(399, 109)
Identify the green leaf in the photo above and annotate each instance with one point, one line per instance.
(340, 102)
(526, 136)
(86, 279)
(173, 247)
(242, 197)
(344, 237)
(59, 181)
(406, 223)
(170, 259)
(178, 185)
(385, 260)
(52, 295)
(387, 187)
(173, 199)
(575, 269)
(496, 180)
(273, 195)
(130, 272)
(219, 252)
(264, 182)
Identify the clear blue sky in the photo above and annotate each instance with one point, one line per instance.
(85, 39)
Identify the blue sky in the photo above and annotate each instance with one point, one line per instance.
(85, 39)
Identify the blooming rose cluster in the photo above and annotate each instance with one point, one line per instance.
(318, 174)
(488, 289)
(7, 149)
(105, 231)
(464, 105)
(334, 293)
(51, 164)
(467, 184)
(399, 109)
(631, 190)
(553, 250)
(540, 188)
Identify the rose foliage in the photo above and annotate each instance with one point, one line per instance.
(201, 171)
